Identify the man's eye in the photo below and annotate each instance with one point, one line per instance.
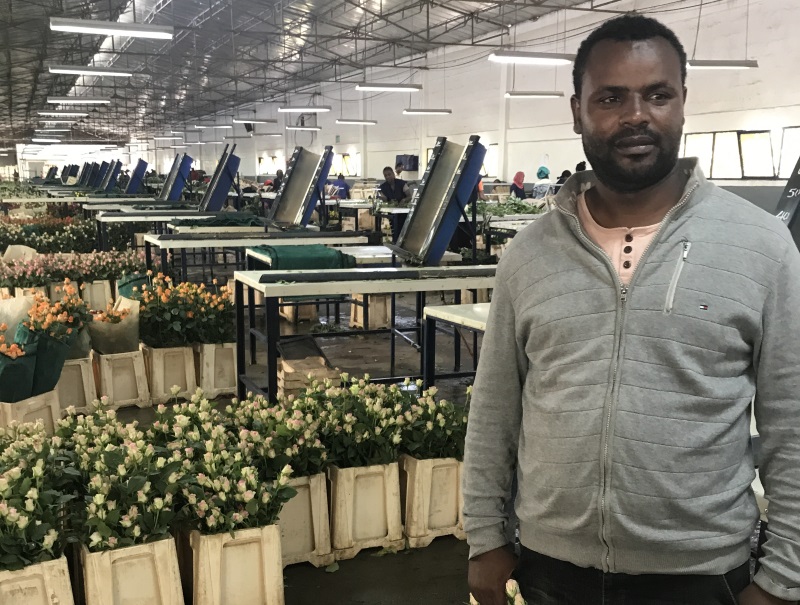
(609, 100)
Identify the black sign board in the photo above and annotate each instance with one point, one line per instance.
(788, 206)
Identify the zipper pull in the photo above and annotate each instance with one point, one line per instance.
(686, 246)
(623, 293)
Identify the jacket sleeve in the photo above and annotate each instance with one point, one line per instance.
(493, 429)
(777, 411)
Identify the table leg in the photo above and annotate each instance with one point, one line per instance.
(429, 353)
(148, 255)
(251, 318)
(240, 340)
(164, 261)
(457, 338)
(184, 272)
(273, 333)
(392, 337)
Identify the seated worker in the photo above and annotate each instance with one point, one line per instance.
(344, 188)
(398, 169)
(518, 186)
(395, 191)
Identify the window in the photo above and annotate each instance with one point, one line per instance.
(701, 146)
(346, 164)
(490, 162)
(790, 151)
(757, 161)
(726, 162)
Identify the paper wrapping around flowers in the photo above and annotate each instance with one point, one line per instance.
(18, 252)
(123, 337)
(13, 311)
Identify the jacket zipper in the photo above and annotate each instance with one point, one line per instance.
(673, 285)
(623, 299)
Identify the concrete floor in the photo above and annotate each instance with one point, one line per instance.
(436, 575)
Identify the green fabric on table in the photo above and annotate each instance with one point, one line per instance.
(51, 355)
(312, 256)
(231, 219)
(16, 375)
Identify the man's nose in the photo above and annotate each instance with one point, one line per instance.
(635, 112)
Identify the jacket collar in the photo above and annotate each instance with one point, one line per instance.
(567, 196)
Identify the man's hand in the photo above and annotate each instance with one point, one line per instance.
(488, 574)
(755, 595)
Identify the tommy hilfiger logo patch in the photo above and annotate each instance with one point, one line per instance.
(704, 307)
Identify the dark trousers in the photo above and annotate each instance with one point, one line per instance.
(546, 581)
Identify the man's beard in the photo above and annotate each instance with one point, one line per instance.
(635, 178)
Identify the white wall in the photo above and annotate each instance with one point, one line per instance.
(535, 132)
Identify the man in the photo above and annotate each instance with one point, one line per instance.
(395, 191)
(344, 188)
(398, 169)
(629, 330)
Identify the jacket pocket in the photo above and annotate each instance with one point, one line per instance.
(676, 276)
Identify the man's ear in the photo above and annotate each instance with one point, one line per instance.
(575, 104)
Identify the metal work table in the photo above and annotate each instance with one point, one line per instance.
(192, 242)
(284, 284)
(472, 317)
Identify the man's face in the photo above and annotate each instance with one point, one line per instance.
(630, 112)
(388, 175)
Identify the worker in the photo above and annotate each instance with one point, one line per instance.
(518, 186)
(580, 167)
(542, 185)
(481, 195)
(563, 178)
(395, 191)
(632, 331)
(398, 169)
(344, 188)
(277, 181)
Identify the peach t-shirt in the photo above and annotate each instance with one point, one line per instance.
(625, 246)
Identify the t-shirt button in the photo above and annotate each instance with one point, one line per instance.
(626, 264)
(629, 238)
(627, 250)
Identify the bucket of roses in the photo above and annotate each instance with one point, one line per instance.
(127, 488)
(431, 467)
(214, 338)
(230, 506)
(291, 432)
(166, 321)
(54, 327)
(33, 568)
(361, 427)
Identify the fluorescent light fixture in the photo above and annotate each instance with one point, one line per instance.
(200, 126)
(52, 121)
(6, 149)
(269, 134)
(304, 109)
(111, 28)
(79, 100)
(225, 126)
(534, 94)
(313, 128)
(356, 122)
(530, 58)
(63, 114)
(3, 155)
(38, 140)
(721, 64)
(246, 121)
(176, 132)
(177, 146)
(91, 70)
(427, 112)
(377, 87)
(196, 143)
(238, 138)
(166, 138)
(52, 130)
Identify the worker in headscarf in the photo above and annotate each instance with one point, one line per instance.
(542, 186)
(518, 186)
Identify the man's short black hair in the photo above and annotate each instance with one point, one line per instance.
(388, 168)
(627, 28)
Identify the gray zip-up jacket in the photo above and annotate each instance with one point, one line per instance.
(626, 409)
